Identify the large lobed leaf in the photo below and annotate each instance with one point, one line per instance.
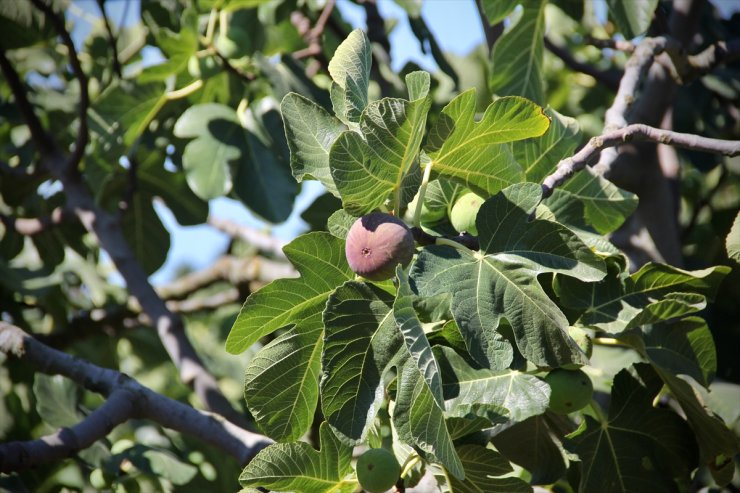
(500, 281)
(369, 166)
(517, 57)
(639, 448)
(299, 467)
(319, 258)
(360, 344)
(655, 293)
(350, 70)
(472, 152)
(483, 470)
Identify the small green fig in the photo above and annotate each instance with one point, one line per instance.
(427, 215)
(234, 44)
(202, 67)
(376, 243)
(377, 470)
(464, 212)
(571, 390)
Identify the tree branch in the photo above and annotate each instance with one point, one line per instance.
(635, 132)
(111, 39)
(608, 79)
(260, 240)
(313, 37)
(82, 132)
(127, 398)
(613, 44)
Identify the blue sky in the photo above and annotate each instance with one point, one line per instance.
(454, 23)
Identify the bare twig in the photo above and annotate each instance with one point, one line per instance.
(614, 44)
(127, 399)
(313, 37)
(609, 79)
(29, 226)
(82, 132)
(111, 39)
(635, 132)
(714, 55)
(260, 240)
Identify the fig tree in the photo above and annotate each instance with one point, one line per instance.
(377, 470)
(376, 243)
(464, 212)
(571, 390)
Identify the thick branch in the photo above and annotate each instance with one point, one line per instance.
(609, 79)
(82, 132)
(635, 132)
(127, 399)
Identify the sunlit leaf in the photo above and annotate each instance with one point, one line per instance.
(350, 70)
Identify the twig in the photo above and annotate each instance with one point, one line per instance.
(635, 132)
(127, 399)
(30, 226)
(82, 132)
(260, 240)
(111, 39)
(228, 66)
(614, 44)
(714, 55)
(313, 37)
(423, 238)
(609, 79)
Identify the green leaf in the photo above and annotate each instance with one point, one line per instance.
(319, 258)
(590, 199)
(420, 421)
(534, 445)
(159, 463)
(350, 70)
(540, 155)
(683, 347)
(122, 113)
(310, 131)
(178, 47)
(146, 234)
(639, 448)
(497, 10)
(23, 25)
(57, 400)
(482, 466)
(282, 381)
(472, 152)
(361, 342)
(415, 338)
(732, 243)
(299, 467)
(498, 396)
(500, 281)
(716, 441)
(260, 174)
(369, 167)
(632, 18)
(655, 293)
(517, 57)
(340, 222)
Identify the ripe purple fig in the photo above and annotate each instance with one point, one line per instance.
(376, 243)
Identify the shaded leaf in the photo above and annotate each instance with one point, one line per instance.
(732, 243)
(632, 18)
(360, 343)
(57, 400)
(500, 281)
(319, 258)
(482, 466)
(497, 10)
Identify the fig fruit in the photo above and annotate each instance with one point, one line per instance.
(376, 243)
(571, 390)
(377, 470)
(427, 215)
(202, 68)
(234, 44)
(464, 212)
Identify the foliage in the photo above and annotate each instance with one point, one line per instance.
(446, 364)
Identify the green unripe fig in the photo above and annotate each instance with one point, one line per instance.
(571, 390)
(377, 470)
(98, 479)
(376, 243)
(427, 215)
(464, 212)
(202, 68)
(234, 44)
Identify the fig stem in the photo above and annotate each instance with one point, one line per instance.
(422, 192)
(453, 244)
(597, 411)
(223, 23)
(211, 25)
(411, 461)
